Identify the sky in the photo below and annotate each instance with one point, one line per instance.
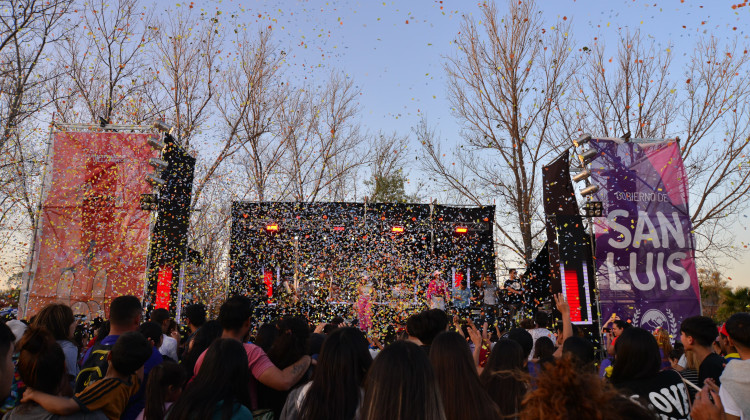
(394, 51)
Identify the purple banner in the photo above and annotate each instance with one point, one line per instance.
(644, 246)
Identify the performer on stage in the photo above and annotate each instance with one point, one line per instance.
(363, 306)
(437, 291)
(462, 299)
(514, 293)
(489, 298)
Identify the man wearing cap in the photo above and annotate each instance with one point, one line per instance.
(727, 348)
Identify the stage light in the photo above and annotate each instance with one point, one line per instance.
(397, 229)
(154, 181)
(580, 141)
(338, 228)
(583, 175)
(162, 126)
(593, 209)
(158, 164)
(591, 189)
(461, 229)
(273, 227)
(155, 143)
(587, 156)
(149, 202)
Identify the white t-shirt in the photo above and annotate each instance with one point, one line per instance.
(730, 407)
(538, 333)
(168, 347)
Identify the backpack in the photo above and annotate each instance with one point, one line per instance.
(94, 368)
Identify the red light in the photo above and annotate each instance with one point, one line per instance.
(163, 287)
(397, 229)
(461, 229)
(338, 228)
(272, 228)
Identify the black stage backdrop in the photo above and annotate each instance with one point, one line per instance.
(325, 249)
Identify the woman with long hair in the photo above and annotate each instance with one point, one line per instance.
(41, 365)
(401, 386)
(457, 379)
(164, 387)
(202, 339)
(336, 389)
(219, 390)
(665, 346)
(637, 373)
(58, 319)
(502, 377)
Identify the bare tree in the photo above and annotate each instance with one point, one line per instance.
(636, 91)
(106, 65)
(185, 53)
(247, 104)
(506, 83)
(323, 141)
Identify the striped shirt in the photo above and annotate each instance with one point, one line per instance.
(109, 395)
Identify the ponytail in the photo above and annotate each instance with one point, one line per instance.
(160, 379)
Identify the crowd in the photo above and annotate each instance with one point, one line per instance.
(438, 368)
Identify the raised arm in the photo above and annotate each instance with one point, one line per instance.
(564, 308)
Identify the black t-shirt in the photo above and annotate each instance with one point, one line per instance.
(711, 367)
(663, 394)
(511, 297)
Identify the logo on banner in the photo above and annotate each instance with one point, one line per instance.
(654, 318)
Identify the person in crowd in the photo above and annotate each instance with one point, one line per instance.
(581, 352)
(169, 343)
(219, 390)
(41, 364)
(563, 391)
(164, 387)
(689, 371)
(110, 394)
(202, 339)
(523, 338)
(727, 350)
(462, 393)
(637, 373)
(401, 386)
(152, 331)
(502, 376)
(735, 380)
(7, 348)
(289, 346)
(541, 323)
(425, 325)
(234, 316)
(544, 351)
(335, 392)
(58, 319)
(697, 334)
(665, 346)
(618, 326)
(17, 328)
(195, 316)
(124, 316)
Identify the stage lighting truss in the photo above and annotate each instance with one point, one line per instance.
(593, 209)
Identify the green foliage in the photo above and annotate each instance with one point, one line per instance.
(712, 286)
(390, 189)
(733, 301)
